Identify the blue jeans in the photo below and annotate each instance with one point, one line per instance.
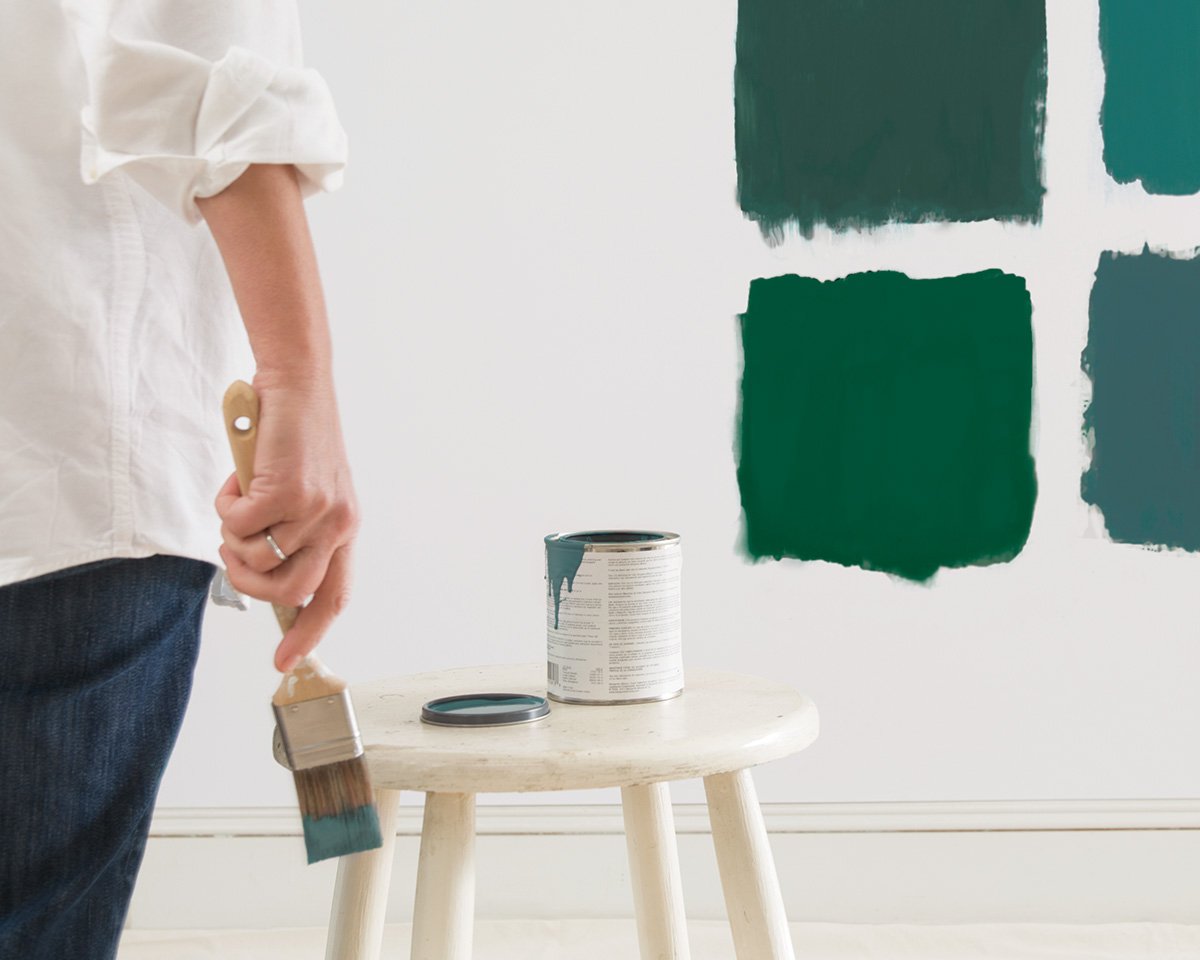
(96, 667)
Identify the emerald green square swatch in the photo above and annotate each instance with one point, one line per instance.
(884, 422)
(855, 113)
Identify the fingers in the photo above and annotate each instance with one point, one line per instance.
(330, 592)
(255, 551)
(246, 514)
(229, 492)
(297, 519)
(315, 619)
(243, 538)
(289, 583)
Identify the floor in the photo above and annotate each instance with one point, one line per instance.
(710, 940)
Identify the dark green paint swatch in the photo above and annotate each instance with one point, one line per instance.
(1151, 111)
(884, 421)
(855, 113)
(1143, 355)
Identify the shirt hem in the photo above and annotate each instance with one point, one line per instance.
(30, 570)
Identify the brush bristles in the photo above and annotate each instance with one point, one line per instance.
(337, 809)
(332, 789)
(351, 832)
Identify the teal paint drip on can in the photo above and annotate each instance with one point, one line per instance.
(613, 623)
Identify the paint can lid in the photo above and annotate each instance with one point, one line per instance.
(484, 709)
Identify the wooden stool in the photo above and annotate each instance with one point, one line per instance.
(721, 725)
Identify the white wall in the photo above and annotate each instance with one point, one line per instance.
(534, 271)
(843, 863)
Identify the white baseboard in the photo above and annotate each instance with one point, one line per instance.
(1050, 861)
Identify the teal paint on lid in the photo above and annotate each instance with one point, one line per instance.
(477, 705)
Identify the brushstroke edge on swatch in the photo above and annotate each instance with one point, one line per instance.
(1129, 116)
(755, 551)
(1094, 486)
(776, 215)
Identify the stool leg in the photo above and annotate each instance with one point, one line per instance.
(360, 896)
(444, 910)
(752, 898)
(654, 871)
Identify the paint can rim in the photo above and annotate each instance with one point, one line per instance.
(614, 540)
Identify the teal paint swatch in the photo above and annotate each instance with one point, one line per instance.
(854, 113)
(1151, 110)
(1143, 356)
(885, 422)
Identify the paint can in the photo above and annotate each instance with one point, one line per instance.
(613, 616)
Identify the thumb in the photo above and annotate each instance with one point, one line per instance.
(229, 493)
(316, 617)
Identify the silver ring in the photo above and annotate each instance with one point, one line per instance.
(274, 546)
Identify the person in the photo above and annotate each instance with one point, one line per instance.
(155, 156)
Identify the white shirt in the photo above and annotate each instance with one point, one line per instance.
(118, 328)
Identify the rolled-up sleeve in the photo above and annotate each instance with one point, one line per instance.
(183, 96)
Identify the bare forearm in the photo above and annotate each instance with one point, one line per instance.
(261, 229)
(301, 493)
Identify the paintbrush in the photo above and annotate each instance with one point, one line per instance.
(312, 706)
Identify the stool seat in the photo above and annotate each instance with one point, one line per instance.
(716, 729)
(721, 722)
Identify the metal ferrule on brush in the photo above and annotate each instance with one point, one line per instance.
(319, 732)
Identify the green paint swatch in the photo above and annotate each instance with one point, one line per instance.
(1143, 356)
(1151, 111)
(885, 421)
(855, 113)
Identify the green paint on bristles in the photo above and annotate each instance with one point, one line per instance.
(341, 834)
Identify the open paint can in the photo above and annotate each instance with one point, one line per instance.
(613, 616)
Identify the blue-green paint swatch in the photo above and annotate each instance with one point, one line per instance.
(884, 421)
(855, 113)
(1151, 111)
(1143, 356)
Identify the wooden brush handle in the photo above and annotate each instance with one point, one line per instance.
(309, 679)
(241, 402)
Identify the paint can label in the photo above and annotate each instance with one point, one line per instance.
(613, 625)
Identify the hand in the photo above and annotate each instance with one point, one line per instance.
(302, 494)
